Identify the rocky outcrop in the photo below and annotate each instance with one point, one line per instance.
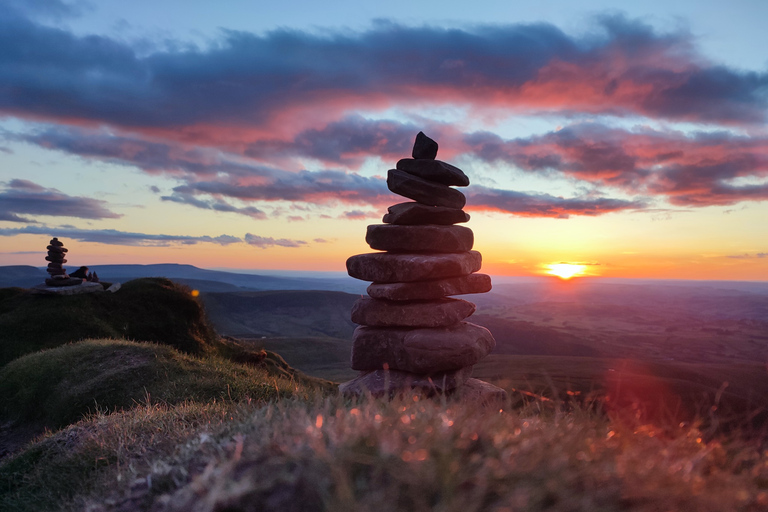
(412, 336)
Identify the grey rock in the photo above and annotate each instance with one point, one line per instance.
(433, 289)
(83, 287)
(434, 170)
(432, 238)
(481, 393)
(383, 267)
(58, 280)
(434, 313)
(424, 147)
(423, 191)
(392, 382)
(55, 259)
(417, 213)
(420, 350)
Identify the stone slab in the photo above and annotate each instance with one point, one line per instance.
(433, 313)
(84, 287)
(384, 267)
(393, 382)
(423, 191)
(420, 350)
(434, 170)
(433, 289)
(424, 147)
(410, 214)
(429, 238)
(481, 393)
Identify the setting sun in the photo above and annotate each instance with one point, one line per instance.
(565, 270)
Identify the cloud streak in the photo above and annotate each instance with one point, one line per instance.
(258, 81)
(127, 238)
(25, 197)
(702, 169)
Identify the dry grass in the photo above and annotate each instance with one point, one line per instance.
(327, 454)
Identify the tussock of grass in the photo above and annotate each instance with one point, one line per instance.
(373, 456)
(58, 386)
(104, 452)
(151, 309)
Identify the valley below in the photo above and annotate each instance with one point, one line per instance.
(676, 346)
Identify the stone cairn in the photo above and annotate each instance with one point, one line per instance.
(411, 336)
(55, 258)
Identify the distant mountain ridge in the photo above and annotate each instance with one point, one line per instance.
(26, 276)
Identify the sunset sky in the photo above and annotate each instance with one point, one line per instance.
(628, 137)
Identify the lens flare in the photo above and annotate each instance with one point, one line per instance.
(566, 270)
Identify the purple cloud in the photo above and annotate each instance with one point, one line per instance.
(24, 197)
(623, 67)
(264, 242)
(115, 237)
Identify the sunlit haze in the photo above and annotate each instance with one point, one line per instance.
(613, 139)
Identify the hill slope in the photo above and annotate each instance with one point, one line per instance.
(154, 309)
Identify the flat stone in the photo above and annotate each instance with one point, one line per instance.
(56, 259)
(433, 313)
(423, 191)
(433, 289)
(481, 393)
(432, 238)
(434, 170)
(384, 267)
(416, 213)
(67, 281)
(424, 147)
(56, 249)
(393, 382)
(55, 241)
(420, 350)
(84, 287)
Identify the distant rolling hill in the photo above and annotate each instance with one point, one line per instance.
(285, 313)
(26, 276)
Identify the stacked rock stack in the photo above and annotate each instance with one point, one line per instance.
(55, 258)
(412, 336)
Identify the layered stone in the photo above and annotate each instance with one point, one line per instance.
(424, 147)
(432, 289)
(434, 170)
(56, 259)
(423, 191)
(416, 213)
(57, 248)
(432, 238)
(391, 382)
(434, 313)
(482, 393)
(382, 267)
(422, 351)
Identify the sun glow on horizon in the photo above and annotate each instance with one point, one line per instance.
(565, 270)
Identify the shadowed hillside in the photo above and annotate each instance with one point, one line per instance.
(281, 313)
(154, 309)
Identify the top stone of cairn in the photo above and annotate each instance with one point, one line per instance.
(424, 147)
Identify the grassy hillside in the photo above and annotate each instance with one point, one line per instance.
(330, 455)
(153, 309)
(294, 314)
(57, 387)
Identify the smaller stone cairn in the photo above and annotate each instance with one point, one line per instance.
(411, 336)
(55, 258)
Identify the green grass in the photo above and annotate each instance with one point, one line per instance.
(58, 386)
(328, 454)
(152, 309)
